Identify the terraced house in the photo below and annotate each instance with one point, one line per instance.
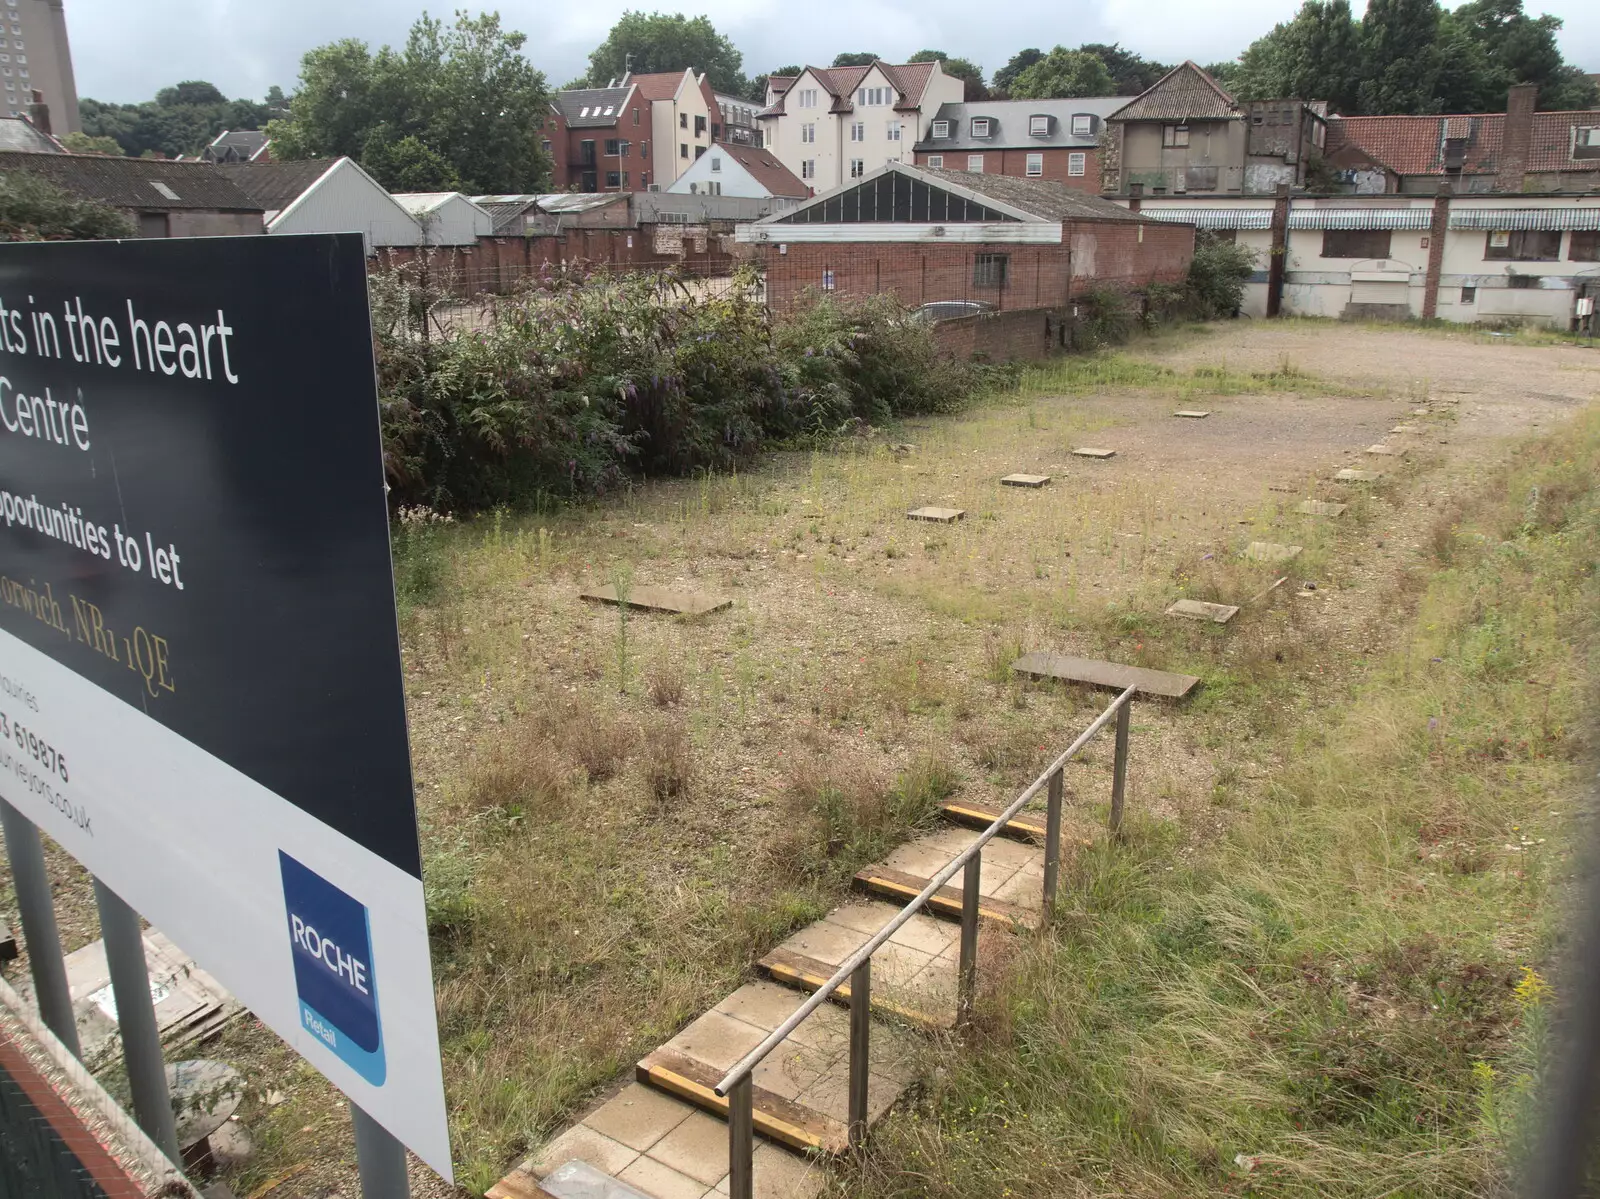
(1033, 139)
(831, 125)
(636, 134)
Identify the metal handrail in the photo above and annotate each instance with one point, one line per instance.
(741, 1069)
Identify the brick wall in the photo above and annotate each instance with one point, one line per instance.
(1015, 162)
(1024, 335)
(1128, 256)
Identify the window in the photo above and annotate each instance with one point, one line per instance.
(858, 132)
(714, 188)
(716, 164)
(990, 270)
(1523, 245)
(1077, 163)
(870, 97)
(1469, 295)
(980, 126)
(936, 160)
(975, 163)
(613, 178)
(683, 149)
(545, 146)
(1355, 243)
(699, 126)
(616, 148)
(1584, 246)
(683, 120)
(1039, 126)
(1175, 135)
(858, 168)
(699, 150)
(1035, 164)
(895, 130)
(586, 153)
(808, 169)
(636, 116)
(808, 97)
(808, 133)
(940, 129)
(827, 279)
(1585, 139)
(1523, 282)
(1082, 124)
(644, 149)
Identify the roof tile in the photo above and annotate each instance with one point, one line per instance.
(1185, 93)
(130, 182)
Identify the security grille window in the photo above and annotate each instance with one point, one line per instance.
(1585, 246)
(1355, 243)
(940, 129)
(808, 169)
(858, 168)
(975, 163)
(936, 160)
(980, 126)
(1082, 124)
(808, 133)
(1523, 245)
(990, 270)
(1039, 126)
(1076, 164)
(1173, 136)
(895, 130)
(858, 132)
(1035, 164)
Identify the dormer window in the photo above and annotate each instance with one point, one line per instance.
(872, 96)
(1039, 126)
(1082, 124)
(940, 129)
(981, 127)
(1586, 141)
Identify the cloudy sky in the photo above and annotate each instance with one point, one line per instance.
(125, 51)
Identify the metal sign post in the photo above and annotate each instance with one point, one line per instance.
(39, 931)
(381, 1159)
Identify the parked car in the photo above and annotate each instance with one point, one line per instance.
(949, 310)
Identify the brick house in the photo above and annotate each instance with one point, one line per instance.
(929, 235)
(638, 133)
(1032, 139)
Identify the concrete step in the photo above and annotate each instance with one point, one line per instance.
(641, 1142)
(1010, 886)
(801, 1091)
(913, 975)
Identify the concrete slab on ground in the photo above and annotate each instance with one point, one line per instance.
(1201, 610)
(1090, 451)
(1404, 429)
(658, 599)
(942, 516)
(1320, 508)
(1271, 551)
(1040, 664)
(1193, 413)
(1351, 475)
(1022, 480)
(1381, 451)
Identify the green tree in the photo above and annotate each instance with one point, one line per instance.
(1130, 74)
(852, 58)
(757, 91)
(1517, 48)
(964, 69)
(1006, 76)
(1063, 73)
(650, 43)
(33, 209)
(83, 143)
(182, 119)
(1225, 73)
(458, 106)
(190, 93)
(1400, 57)
(1314, 56)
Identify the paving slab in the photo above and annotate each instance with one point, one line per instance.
(1090, 451)
(637, 1116)
(1202, 610)
(1351, 475)
(1193, 413)
(942, 516)
(1381, 451)
(579, 1180)
(1404, 429)
(1271, 551)
(1421, 411)
(661, 1181)
(1040, 664)
(1320, 508)
(658, 599)
(1021, 480)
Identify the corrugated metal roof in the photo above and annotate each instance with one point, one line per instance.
(1526, 218)
(1213, 218)
(1360, 218)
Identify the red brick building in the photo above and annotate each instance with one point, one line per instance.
(1057, 140)
(641, 132)
(929, 235)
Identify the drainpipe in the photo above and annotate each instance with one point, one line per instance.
(1436, 234)
(1279, 252)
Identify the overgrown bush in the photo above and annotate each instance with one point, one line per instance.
(1217, 275)
(33, 209)
(575, 384)
(1105, 318)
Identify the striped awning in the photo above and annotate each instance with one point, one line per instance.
(1214, 218)
(1360, 218)
(1573, 217)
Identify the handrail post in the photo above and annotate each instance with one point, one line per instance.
(1119, 771)
(967, 974)
(1052, 844)
(36, 906)
(860, 1050)
(741, 1140)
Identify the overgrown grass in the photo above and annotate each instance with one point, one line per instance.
(1080, 374)
(1340, 994)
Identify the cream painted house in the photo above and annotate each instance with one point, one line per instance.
(831, 125)
(684, 121)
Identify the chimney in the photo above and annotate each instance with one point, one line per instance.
(1135, 197)
(1516, 137)
(39, 111)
